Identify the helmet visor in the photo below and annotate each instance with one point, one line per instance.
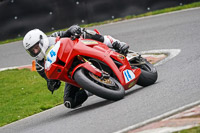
(34, 50)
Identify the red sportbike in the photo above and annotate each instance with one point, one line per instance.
(93, 66)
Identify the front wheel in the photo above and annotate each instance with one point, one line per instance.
(106, 87)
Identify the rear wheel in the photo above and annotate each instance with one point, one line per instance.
(149, 73)
(105, 87)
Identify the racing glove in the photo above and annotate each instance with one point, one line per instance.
(121, 47)
(53, 85)
(74, 31)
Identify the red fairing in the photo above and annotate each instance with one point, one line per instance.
(61, 61)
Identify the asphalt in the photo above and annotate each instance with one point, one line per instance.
(13, 54)
(178, 83)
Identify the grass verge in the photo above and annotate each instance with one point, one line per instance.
(191, 130)
(24, 93)
(166, 10)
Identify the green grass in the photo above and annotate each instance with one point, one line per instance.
(24, 93)
(11, 40)
(192, 130)
(166, 10)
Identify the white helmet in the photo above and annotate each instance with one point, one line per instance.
(36, 38)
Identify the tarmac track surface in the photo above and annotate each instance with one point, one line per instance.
(177, 85)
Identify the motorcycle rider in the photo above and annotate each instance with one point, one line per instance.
(36, 44)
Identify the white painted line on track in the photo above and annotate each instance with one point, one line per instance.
(171, 53)
(160, 117)
(15, 67)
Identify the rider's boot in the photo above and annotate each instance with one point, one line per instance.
(74, 96)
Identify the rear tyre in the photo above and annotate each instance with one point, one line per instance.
(107, 88)
(148, 75)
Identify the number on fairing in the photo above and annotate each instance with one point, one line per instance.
(128, 75)
(52, 55)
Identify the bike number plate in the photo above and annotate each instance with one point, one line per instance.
(51, 56)
(128, 75)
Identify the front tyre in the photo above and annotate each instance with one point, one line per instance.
(107, 88)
